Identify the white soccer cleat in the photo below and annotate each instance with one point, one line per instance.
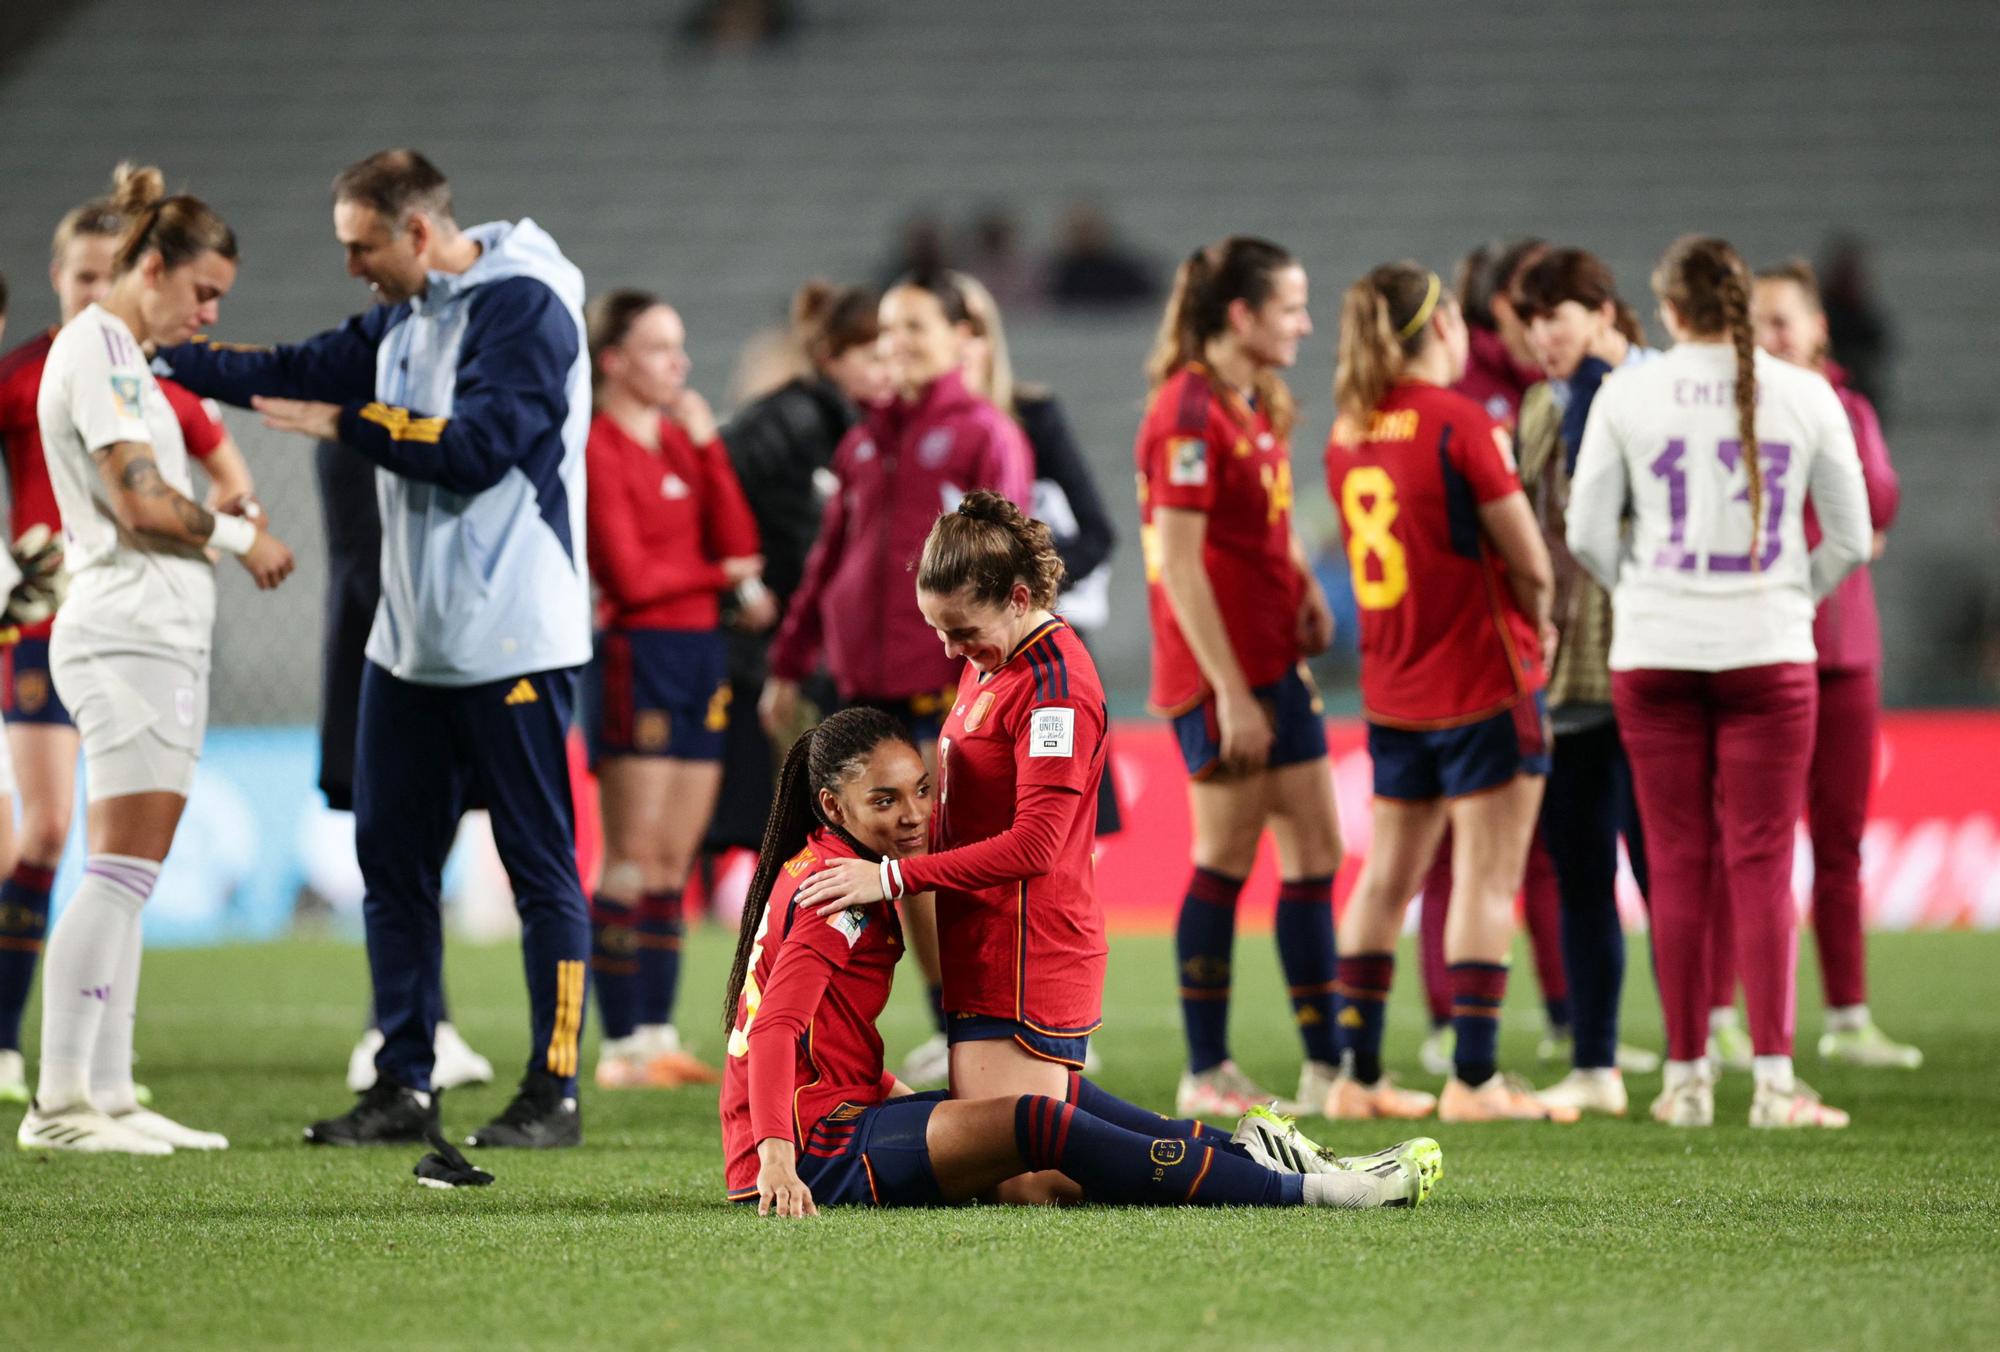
(13, 1077)
(1687, 1101)
(453, 1062)
(928, 1066)
(1403, 1175)
(1637, 1060)
(149, 1123)
(1221, 1091)
(1866, 1046)
(1589, 1091)
(1315, 1083)
(1435, 1056)
(1275, 1141)
(361, 1062)
(85, 1130)
(1798, 1106)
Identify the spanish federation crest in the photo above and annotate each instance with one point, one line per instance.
(980, 708)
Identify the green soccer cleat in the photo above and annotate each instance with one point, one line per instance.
(1435, 1056)
(1275, 1141)
(1729, 1049)
(1868, 1047)
(13, 1078)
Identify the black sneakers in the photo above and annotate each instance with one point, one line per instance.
(541, 1117)
(386, 1114)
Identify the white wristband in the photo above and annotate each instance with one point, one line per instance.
(233, 534)
(751, 590)
(892, 880)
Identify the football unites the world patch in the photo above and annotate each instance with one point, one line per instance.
(1052, 732)
(1187, 462)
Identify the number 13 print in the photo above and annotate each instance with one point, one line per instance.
(1670, 465)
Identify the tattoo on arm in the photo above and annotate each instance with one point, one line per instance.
(141, 477)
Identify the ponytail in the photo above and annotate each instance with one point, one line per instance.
(1239, 267)
(1384, 321)
(792, 818)
(823, 759)
(179, 228)
(827, 319)
(1706, 282)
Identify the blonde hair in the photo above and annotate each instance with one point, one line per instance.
(1708, 284)
(984, 314)
(1384, 322)
(1236, 268)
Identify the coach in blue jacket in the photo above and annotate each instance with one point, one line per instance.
(469, 388)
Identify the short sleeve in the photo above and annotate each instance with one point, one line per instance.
(1180, 452)
(1484, 453)
(105, 390)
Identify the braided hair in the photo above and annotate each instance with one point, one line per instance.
(1708, 284)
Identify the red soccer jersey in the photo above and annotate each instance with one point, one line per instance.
(660, 524)
(31, 497)
(1443, 642)
(805, 1039)
(1020, 931)
(1205, 450)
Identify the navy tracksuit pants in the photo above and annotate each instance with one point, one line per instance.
(424, 755)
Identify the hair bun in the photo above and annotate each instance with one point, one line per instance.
(135, 187)
(811, 302)
(983, 504)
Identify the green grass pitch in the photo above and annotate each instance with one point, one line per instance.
(1605, 1234)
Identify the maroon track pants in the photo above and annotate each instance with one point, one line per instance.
(1837, 789)
(1746, 736)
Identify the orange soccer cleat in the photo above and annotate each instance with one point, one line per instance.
(1350, 1100)
(1503, 1098)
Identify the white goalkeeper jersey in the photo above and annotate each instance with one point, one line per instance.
(1662, 449)
(97, 390)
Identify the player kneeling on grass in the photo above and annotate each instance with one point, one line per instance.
(809, 1115)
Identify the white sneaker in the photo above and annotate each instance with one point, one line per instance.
(13, 1078)
(361, 1062)
(1688, 1103)
(1315, 1082)
(1797, 1107)
(84, 1129)
(928, 1066)
(1435, 1056)
(1590, 1091)
(453, 1062)
(149, 1123)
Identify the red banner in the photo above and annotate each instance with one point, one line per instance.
(1930, 857)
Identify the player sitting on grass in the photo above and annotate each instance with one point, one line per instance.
(809, 1115)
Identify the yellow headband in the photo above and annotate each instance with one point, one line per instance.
(1423, 313)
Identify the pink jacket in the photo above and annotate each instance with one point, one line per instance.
(903, 465)
(1847, 631)
(1492, 380)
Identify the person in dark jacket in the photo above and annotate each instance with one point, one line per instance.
(782, 446)
(1066, 496)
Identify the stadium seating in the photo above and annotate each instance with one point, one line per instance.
(1350, 133)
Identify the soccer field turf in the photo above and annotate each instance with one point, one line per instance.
(1602, 1234)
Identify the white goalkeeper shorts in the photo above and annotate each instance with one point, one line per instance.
(140, 712)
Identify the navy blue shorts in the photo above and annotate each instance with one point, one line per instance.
(27, 695)
(1453, 762)
(1293, 707)
(873, 1155)
(1064, 1047)
(922, 715)
(657, 692)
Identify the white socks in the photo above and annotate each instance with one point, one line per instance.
(1773, 1073)
(111, 1088)
(90, 975)
(1679, 1073)
(1847, 1019)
